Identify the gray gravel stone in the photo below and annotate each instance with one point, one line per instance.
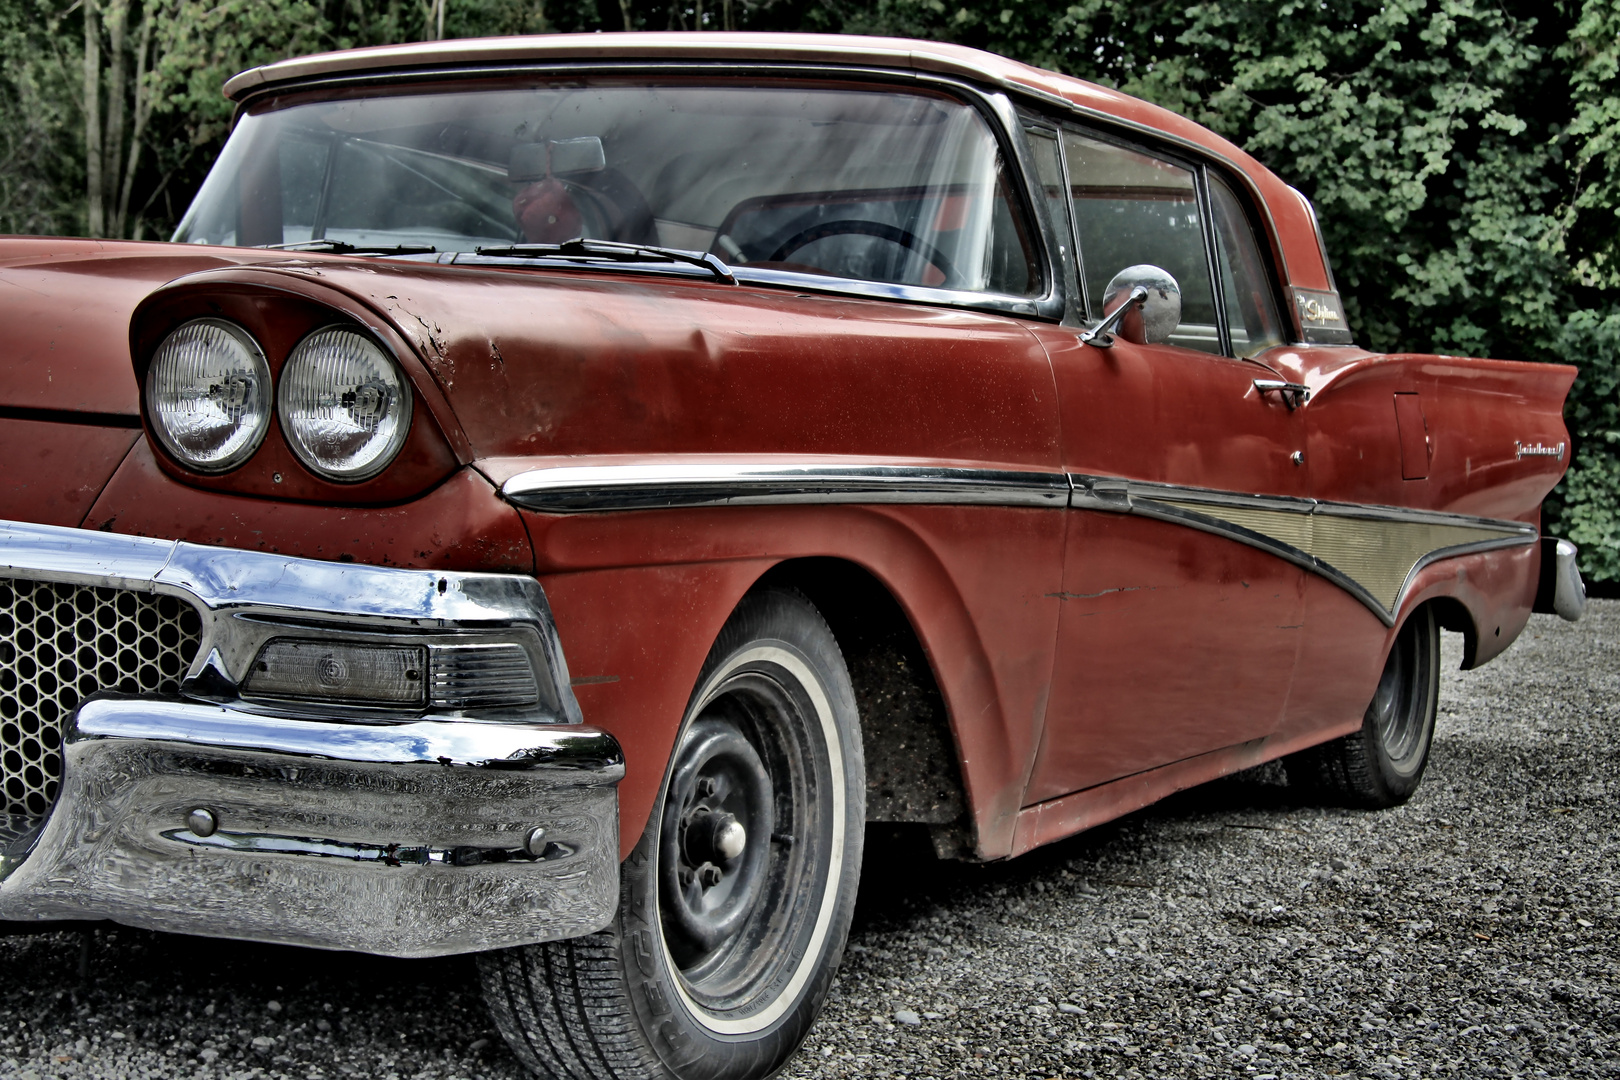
(1234, 930)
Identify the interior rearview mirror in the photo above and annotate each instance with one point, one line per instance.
(536, 161)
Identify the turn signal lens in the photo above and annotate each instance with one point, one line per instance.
(345, 407)
(352, 674)
(208, 395)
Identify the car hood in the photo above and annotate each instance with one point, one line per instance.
(65, 308)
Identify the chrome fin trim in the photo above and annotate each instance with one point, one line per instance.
(594, 488)
(1372, 552)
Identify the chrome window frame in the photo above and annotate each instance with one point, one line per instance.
(1283, 308)
(1194, 165)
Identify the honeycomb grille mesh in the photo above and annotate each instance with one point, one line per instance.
(58, 645)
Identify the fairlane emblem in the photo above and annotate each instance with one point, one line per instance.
(1537, 449)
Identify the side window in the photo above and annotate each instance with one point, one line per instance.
(1132, 208)
(1251, 310)
(1049, 171)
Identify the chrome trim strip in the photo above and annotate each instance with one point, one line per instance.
(593, 755)
(1146, 489)
(603, 488)
(593, 488)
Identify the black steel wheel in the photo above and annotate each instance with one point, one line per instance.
(1380, 764)
(735, 904)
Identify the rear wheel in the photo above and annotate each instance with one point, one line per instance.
(735, 904)
(1380, 765)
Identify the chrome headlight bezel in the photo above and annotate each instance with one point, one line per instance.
(259, 396)
(296, 416)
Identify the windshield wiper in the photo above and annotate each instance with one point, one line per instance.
(612, 251)
(339, 247)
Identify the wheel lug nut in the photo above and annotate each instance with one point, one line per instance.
(709, 874)
(706, 787)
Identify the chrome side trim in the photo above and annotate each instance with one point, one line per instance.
(1372, 552)
(591, 488)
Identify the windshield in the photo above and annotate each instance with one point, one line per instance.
(873, 184)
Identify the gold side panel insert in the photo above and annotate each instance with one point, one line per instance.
(1382, 554)
(1376, 553)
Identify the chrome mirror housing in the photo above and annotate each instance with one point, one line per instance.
(1143, 303)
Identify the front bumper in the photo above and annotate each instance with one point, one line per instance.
(404, 834)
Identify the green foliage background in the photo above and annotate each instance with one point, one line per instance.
(1464, 157)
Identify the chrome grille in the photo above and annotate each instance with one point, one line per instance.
(59, 644)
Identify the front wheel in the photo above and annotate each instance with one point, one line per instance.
(1379, 765)
(735, 904)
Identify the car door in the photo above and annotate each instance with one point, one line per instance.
(1177, 634)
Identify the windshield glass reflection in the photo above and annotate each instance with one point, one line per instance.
(863, 183)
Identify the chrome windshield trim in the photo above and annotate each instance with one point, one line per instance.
(998, 303)
(593, 488)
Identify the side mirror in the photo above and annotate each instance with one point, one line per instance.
(1143, 303)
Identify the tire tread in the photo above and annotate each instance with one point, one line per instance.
(565, 1011)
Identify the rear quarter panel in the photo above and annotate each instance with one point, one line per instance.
(1475, 413)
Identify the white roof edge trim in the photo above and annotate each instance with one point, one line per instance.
(560, 47)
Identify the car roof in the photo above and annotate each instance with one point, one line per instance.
(1291, 220)
(832, 49)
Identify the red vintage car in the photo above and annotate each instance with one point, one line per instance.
(554, 491)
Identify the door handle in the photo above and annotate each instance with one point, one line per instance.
(1293, 394)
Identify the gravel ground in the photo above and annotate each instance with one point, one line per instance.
(1230, 931)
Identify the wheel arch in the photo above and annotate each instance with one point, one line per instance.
(638, 609)
(1486, 596)
(914, 769)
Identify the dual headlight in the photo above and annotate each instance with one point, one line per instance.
(345, 408)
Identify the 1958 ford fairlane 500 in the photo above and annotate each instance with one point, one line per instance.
(553, 492)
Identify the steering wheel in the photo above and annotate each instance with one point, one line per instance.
(855, 227)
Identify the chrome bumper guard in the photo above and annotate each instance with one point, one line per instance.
(404, 833)
(1561, 592)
